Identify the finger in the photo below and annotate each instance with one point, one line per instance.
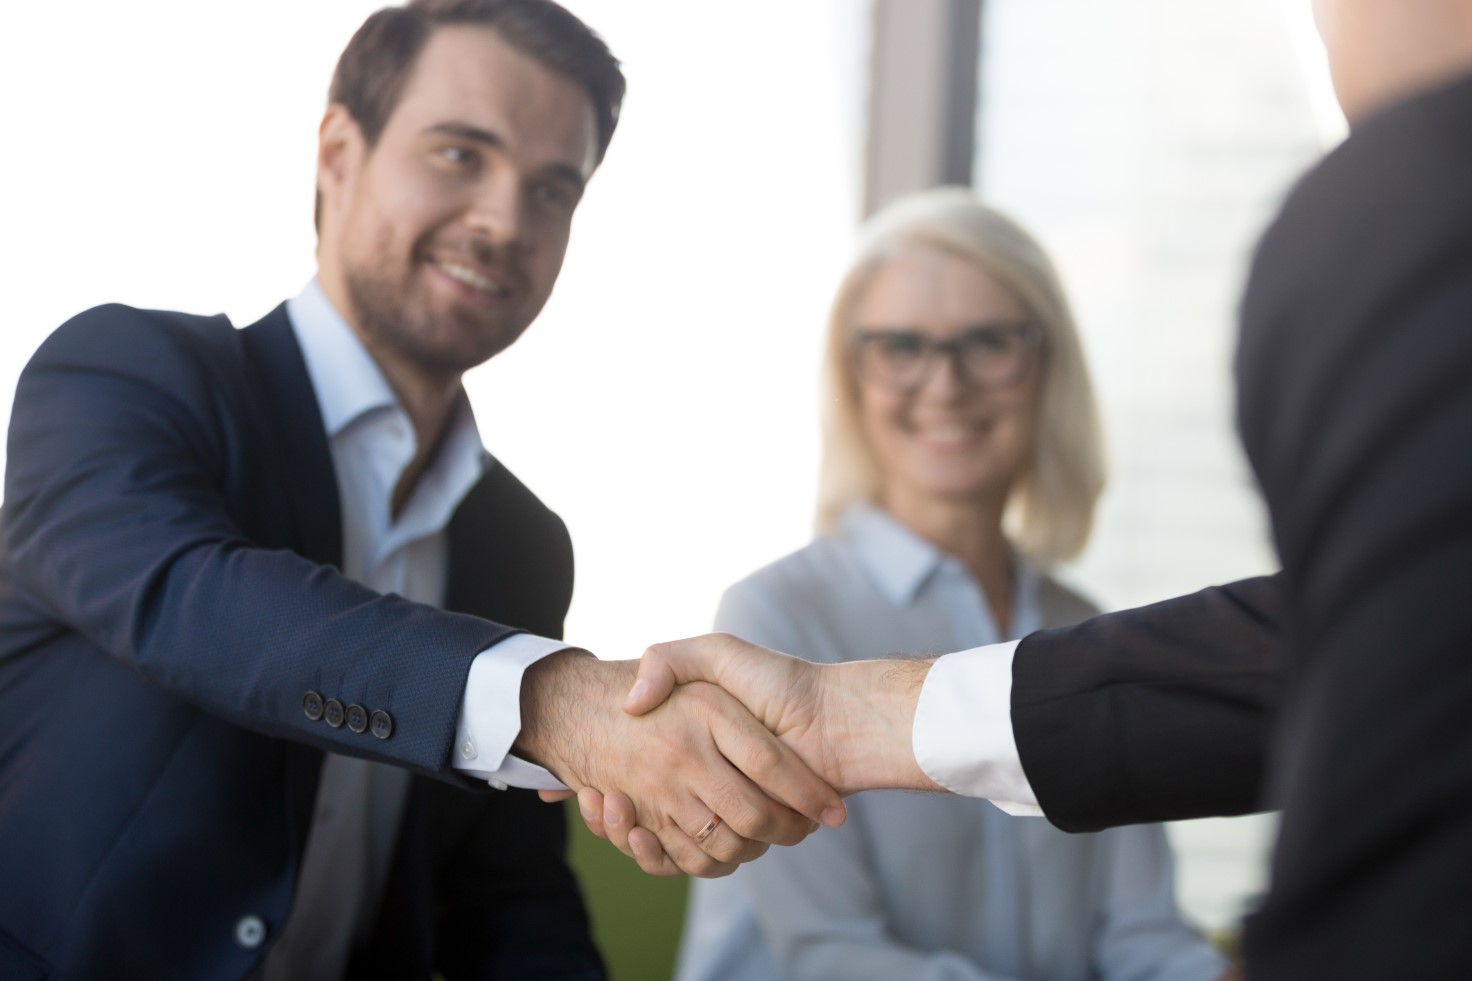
(590, 805)
(689, 857)
(679, 661)
(640, 844)
(725, 845)
(618, 820)
(649, 853)
(653, 684)
(789, 797)
(554, 796)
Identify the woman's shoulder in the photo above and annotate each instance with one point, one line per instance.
(818, 568)
(799, 603)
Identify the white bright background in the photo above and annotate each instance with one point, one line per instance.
(160, 153)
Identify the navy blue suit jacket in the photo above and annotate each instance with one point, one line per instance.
(167, 597)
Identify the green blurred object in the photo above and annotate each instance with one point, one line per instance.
(636, 917)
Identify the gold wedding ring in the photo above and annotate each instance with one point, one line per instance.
(710, 826)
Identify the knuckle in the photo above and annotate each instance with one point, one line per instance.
(698, 863)
(760, 758)
(753, 823)
(792, 832)
(746, 851)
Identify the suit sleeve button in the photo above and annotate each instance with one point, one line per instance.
(357, 718)
(312, 705)
(332, 712)
(250, 931)
(382, 724)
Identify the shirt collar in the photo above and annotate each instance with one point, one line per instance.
(347, 380)
(900, 562)
(350, 385)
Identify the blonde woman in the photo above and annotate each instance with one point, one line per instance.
(961, 460)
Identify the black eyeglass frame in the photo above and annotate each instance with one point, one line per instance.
(1029, 332)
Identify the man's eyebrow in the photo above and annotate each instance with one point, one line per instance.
(475, 134)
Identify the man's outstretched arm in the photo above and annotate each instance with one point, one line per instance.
(1159, 713)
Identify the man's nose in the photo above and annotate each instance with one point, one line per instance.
(496, 214)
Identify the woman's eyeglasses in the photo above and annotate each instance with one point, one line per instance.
(986, 356)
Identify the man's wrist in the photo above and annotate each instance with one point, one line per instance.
(560, 695)
(546, 690)
(869, 712)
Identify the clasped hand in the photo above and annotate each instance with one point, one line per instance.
(693, 754)
(763, 741)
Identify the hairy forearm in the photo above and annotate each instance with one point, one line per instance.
(559, 696)
(866, 716)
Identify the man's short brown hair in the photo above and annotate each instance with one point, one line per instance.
(374, 67)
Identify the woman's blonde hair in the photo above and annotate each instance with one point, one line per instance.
(1051, 507)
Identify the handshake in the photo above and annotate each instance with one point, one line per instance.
(706, 751)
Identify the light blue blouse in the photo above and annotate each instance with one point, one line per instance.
(927, 886)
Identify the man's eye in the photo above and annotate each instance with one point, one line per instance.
(460, 156)
(551, 195)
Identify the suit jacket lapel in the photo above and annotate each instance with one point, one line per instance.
(290, 405)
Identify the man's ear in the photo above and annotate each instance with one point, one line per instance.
(339, 155)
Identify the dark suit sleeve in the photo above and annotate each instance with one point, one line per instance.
(1153, 714)
(123, 488)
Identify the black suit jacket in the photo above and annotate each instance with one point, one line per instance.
(167, 597)
(1341, 691)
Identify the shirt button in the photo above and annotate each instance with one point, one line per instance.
(312, 705)
(250, 931)
(495, 784)
(332, 712)
(357, 718)
(468, 750)
(381, 724)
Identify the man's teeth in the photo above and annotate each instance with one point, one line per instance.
(471, 278)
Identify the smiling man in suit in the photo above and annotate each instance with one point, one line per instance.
(242, 734)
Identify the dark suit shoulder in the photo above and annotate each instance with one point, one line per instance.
(115, 326)
(190, 355)
(1380, 222)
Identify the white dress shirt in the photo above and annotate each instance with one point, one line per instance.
(372, 440)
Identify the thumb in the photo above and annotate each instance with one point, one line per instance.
(674, 663)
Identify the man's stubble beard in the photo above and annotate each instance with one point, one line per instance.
(387, 322)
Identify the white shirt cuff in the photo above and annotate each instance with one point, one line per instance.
(963, 728)
(490, 715)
